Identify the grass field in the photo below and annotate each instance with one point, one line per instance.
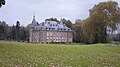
(24, 54)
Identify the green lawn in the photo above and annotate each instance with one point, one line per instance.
(60, 55)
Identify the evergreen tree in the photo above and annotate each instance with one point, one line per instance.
(17, 31)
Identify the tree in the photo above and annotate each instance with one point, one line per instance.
(78, 28)
(4, 30)
(17, 31)
(13, 29)
(68, 23)
(52, 19)
(103, 15)
(13, 32)
(2, 2)
(23, 33)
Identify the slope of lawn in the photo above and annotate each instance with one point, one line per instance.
(59, 55)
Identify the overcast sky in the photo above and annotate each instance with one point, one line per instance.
(22, 10)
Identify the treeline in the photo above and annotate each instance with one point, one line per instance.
(99, 27)
(13, 33)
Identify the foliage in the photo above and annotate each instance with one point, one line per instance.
(13, 32)
(52, 19)
(17, 31)
(116, 37)
(103, 15)
(68, 23)
(78, 35)
(2, 2)
(26, 55)
(4, 30)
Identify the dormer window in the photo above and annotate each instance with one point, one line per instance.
(48, 22)
(53, 28)
(49, 28)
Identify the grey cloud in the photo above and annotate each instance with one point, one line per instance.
(22, 10)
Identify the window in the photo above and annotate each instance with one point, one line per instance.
(56, 37)
(47, 40)
(57, 40)
(70, 39)
(47, 33)
(51, 40)
(53, 28)
(54, 40)
(37, 41)
(47, 37)
(59, 34)
(42, 34)
(42, 40)
(48, 22)
(54, 34)
(62, 40)
(62, 34)
(50, 37)
(50, 33)
(53, 37)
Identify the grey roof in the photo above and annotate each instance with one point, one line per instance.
(34, 23)
(49, 25)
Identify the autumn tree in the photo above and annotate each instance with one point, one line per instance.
(78, 29)
(103, 15)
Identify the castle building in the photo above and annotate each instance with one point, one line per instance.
(50, 32)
